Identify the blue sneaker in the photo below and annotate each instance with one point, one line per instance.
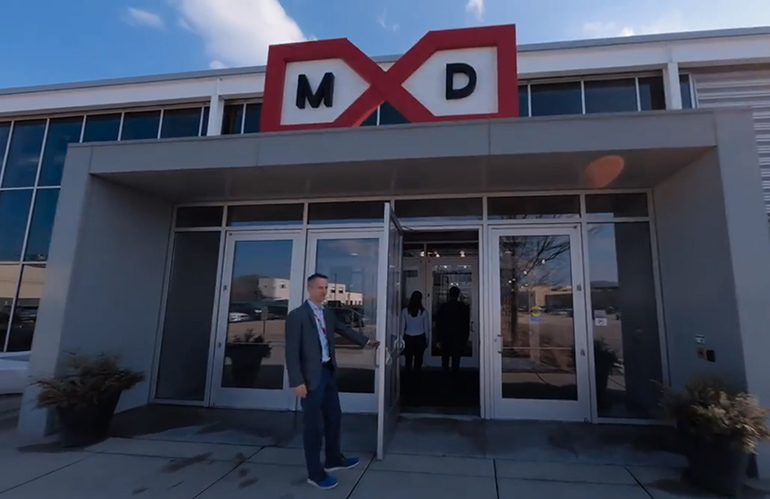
(326, 483)
(344, 463)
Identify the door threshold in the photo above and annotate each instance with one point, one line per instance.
(439, 412)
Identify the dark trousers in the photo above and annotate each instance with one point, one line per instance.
(414, 349)
(454, 355)
(322, 417)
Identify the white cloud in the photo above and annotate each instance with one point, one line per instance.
(239, 32)
(475, 7)
(382, 21)
(144, 18)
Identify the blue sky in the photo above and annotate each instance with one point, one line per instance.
(52, 41)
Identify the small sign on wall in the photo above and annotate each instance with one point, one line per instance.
(600, 321)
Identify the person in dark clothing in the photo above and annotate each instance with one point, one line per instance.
(453, 325)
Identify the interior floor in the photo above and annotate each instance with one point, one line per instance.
(435, 392)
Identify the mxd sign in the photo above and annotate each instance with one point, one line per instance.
(448, 75)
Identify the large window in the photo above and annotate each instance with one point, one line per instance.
(592, 95)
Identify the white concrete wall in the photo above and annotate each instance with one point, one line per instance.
(105, 280)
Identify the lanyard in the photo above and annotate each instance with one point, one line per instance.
(320, 320)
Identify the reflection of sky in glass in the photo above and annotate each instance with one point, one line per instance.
(263, 258)
(602, 257)
(352, 262)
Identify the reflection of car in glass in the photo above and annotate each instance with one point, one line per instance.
(349, 317)
(237, 317)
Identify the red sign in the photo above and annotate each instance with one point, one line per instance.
(295, 105)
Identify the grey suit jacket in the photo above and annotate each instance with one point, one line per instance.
(303, 344)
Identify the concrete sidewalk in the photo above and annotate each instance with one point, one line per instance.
(152, 468)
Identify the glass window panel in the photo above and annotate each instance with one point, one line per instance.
(14, 211)
(199, 216)
(414, 210)
(181, 123)
(205, 123)
(253, 118)
(371, 120)
(9, 277)
(24, 153)
(61, 133)
(610, 96)
(523, 100)
(102, 127)
(346, 212)
(652, 96)
(537, 324)
(255, 215)
(260, 288)
(5, 132)
(42, 225)
(686, 91)
(190, 302)
(351, 265)
(232, 119)
(529, 207)
(627, 359)
(443, 278)
(556, 99)
(616, 205)
(389, 115)
(140, 125)
(27, 304)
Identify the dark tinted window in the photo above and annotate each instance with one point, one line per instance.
(279, 214)
(251, 123)
(439, 209)
(8, 274)
(686, 91)
(14, 210)
(102, 128)
(181, 123)
(232, 119)
(27, 304)
(556, 99)
(610, 96)
(42, 225)
(626, 345)
(523, 101)
(526, 207)
(5, 132)
(199, 216)
(326, 213)
(371, 120)
(389, 115)
(184, 351)
(140, 125)
(24, 153)
(618, 205)
(652, 97)
(61, 133)
(205, 124)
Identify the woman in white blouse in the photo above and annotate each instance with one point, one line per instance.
(415, 327)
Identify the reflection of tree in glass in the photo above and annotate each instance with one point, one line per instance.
(525, 263)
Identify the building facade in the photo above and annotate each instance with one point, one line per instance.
(613, 235)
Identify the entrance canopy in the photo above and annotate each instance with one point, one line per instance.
(636, 150)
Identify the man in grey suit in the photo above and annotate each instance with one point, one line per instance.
(311, 364)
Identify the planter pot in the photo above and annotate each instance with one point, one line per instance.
(246, 363)
(717, 464)
(85, 425)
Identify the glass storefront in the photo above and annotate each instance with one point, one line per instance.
(568, 325)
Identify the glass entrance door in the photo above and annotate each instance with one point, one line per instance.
(350, 258)
(540, 364)
(262, 282)
(388, 320)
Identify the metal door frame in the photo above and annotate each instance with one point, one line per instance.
(277, 399)
(579, 410)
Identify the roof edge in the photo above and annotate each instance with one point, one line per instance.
(533, 47)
